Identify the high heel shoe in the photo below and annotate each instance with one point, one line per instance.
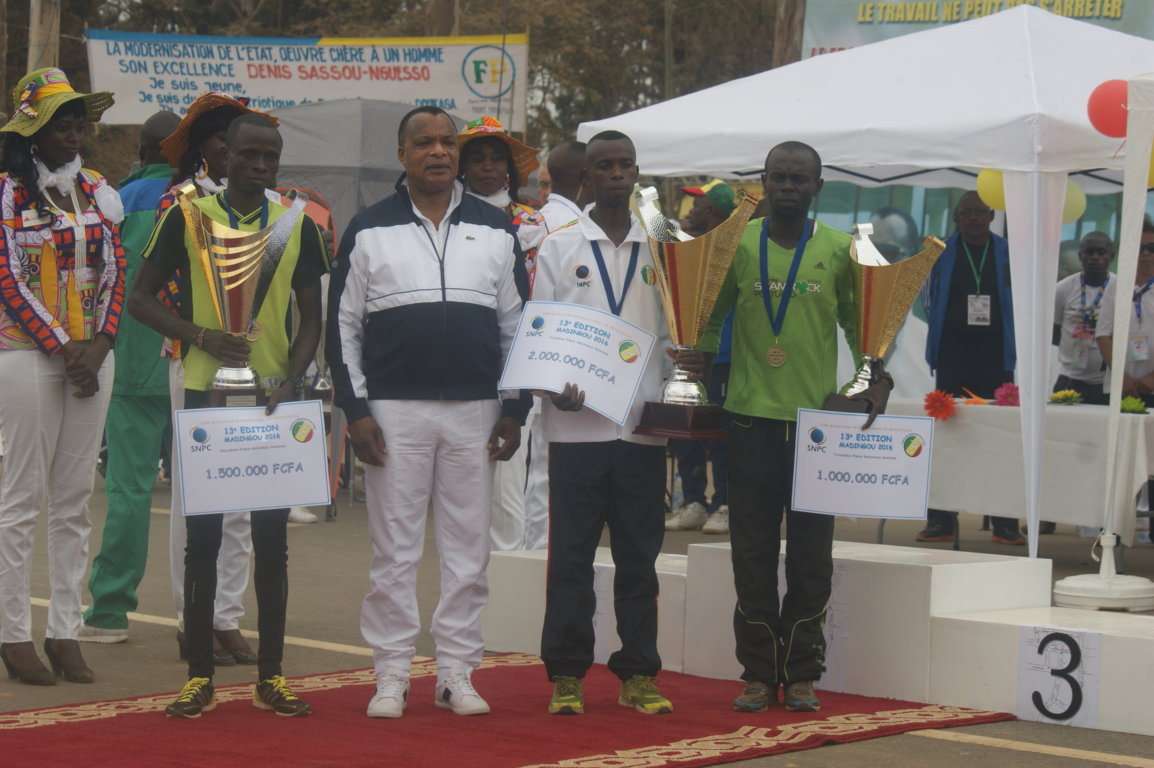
(38, 675)
(67, 662)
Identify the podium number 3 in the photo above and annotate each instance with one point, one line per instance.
(1074, 652)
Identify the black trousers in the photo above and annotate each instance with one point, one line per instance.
(1092, 394)
(270, 579)
(591, 485)
(777, 643)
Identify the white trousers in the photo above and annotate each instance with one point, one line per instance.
(521, 492)
(53, 441)
(235, 542)
(437, 459)
(537, 484)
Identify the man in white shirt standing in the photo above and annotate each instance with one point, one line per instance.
(600, 473)
(1138, 377)
(1076, 303)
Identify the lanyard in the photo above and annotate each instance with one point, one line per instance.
(1138, 294)
(1090, 318)
(978, 269)
(232, 221)
(777, 320)
(615, 305)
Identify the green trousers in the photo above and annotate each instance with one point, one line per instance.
(134, 430)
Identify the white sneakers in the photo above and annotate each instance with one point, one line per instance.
(301, 515)
(392, 694)
(90, 634)
(718, 522)
(455, 691)
(688, 518)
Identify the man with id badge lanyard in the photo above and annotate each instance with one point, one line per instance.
(1077, 301)
(970, 343)
(1138, 378)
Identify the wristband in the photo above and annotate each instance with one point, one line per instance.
(200, 338)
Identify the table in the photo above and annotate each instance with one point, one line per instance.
(978, 468)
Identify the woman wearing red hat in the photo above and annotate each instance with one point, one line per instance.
(62, 290)
(494, 166)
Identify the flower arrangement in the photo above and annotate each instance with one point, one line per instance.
(1066, 397)
(1133, 405)
(940, 405)
(1007, 394)
(974, 399)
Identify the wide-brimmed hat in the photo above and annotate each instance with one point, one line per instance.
(717, 192)
(174, 147)
(39, 94)
(524, 156)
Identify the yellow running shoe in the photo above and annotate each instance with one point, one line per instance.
(195, 697)
(274, 694)
(568, 696)
(640, 692)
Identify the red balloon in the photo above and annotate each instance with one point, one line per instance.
(1107, 108)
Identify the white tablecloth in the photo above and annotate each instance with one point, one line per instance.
(977, 463)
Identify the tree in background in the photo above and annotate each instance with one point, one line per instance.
(587, 60)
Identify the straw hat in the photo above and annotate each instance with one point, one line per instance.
(524, 156)
(39, 94)
(174, 146)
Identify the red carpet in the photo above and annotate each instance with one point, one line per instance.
(134, 733)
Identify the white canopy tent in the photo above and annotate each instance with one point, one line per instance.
(1006, 91)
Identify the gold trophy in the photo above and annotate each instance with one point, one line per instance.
(883, 294)
(238, 267)
(690, 272)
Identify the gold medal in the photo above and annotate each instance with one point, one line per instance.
(253, 332)
(775, 356)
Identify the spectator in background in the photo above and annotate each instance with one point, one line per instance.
(970, 343)
(493, 164)
(895, 233)
(137, 413)
(544, 184)
(1076, 303)
(712, 204)
(1138, 374)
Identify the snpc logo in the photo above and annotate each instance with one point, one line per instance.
(537, 324)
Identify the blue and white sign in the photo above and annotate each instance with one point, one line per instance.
(841, 469)
(468, 76)
(557, 344)
(239, 459)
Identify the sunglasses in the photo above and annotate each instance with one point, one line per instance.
(1147, 248)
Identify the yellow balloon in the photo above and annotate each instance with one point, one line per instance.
(1075, 204)
(991, 190)
(1150, 173)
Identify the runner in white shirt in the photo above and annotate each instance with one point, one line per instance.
(1138, 378)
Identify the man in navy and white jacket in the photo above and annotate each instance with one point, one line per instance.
(423, 305)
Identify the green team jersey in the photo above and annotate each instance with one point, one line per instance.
(822, 299)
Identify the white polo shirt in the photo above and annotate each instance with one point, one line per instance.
(567, 272)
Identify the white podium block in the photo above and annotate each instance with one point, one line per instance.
(878, 628)
(979, 660)
(516, 610)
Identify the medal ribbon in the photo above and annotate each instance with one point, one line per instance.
(1138, 294)
(615, 305)
(232, 222)
(1090, 318)
(776, 321)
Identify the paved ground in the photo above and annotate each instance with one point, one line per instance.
(328, 572)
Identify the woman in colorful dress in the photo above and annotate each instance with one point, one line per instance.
(494, 165)
(62, 290)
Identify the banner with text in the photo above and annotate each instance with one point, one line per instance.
(834, 25)
(467, 76)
